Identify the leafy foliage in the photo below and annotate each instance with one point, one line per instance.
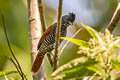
(101, 58)
(77, 42)
(2, 73)
(78, 66)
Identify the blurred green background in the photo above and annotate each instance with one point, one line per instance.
(16, 21)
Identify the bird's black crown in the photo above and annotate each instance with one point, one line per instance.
(71, 17)
(68, 19)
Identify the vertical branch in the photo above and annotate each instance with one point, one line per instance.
(56, 57)
(42, 17)
(16, 63)
(35, 33)
(43, 24)
(115, 19)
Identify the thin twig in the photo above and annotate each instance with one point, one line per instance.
(92, 77)
(50, 58)
(115, 19)
(5, 76)
(43, 24)
(56, 57)
(61, 51)
(9, 46)
(15, 66)
(42, 17)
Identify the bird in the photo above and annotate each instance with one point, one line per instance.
(47, 41)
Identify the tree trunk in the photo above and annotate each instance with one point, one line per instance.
(35, 33)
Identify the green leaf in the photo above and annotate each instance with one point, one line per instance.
(95, 35)
(74, 69)
(116, 64)
(113, 46)
(2, 73)
(97, 69)
(91, 31)
(77, 42)
(118, 78)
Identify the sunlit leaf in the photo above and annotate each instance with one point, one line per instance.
(2, 73)
(118, 78)
(90, 30)
(97, 70)
(74, 69)
(94, 34)
(77, 42)
(113, 46)
(116, 64)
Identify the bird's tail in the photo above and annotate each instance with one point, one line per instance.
(37, 63)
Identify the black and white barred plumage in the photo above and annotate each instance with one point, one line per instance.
(47, 41)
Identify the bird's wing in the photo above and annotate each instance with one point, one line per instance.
(45, 34)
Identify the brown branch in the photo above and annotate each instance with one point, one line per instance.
(35, 33)
(50, 58)
(43, 24)
(115, 19)
(15, 66)
(9, 46)
(56, 57)
(42, 17)
(61, 51)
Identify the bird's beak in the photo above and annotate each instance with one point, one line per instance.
(71, 23)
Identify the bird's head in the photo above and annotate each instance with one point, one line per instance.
(68, 20)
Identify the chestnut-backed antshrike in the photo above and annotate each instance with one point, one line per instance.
(47, 41)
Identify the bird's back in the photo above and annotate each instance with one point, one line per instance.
(47, 44)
